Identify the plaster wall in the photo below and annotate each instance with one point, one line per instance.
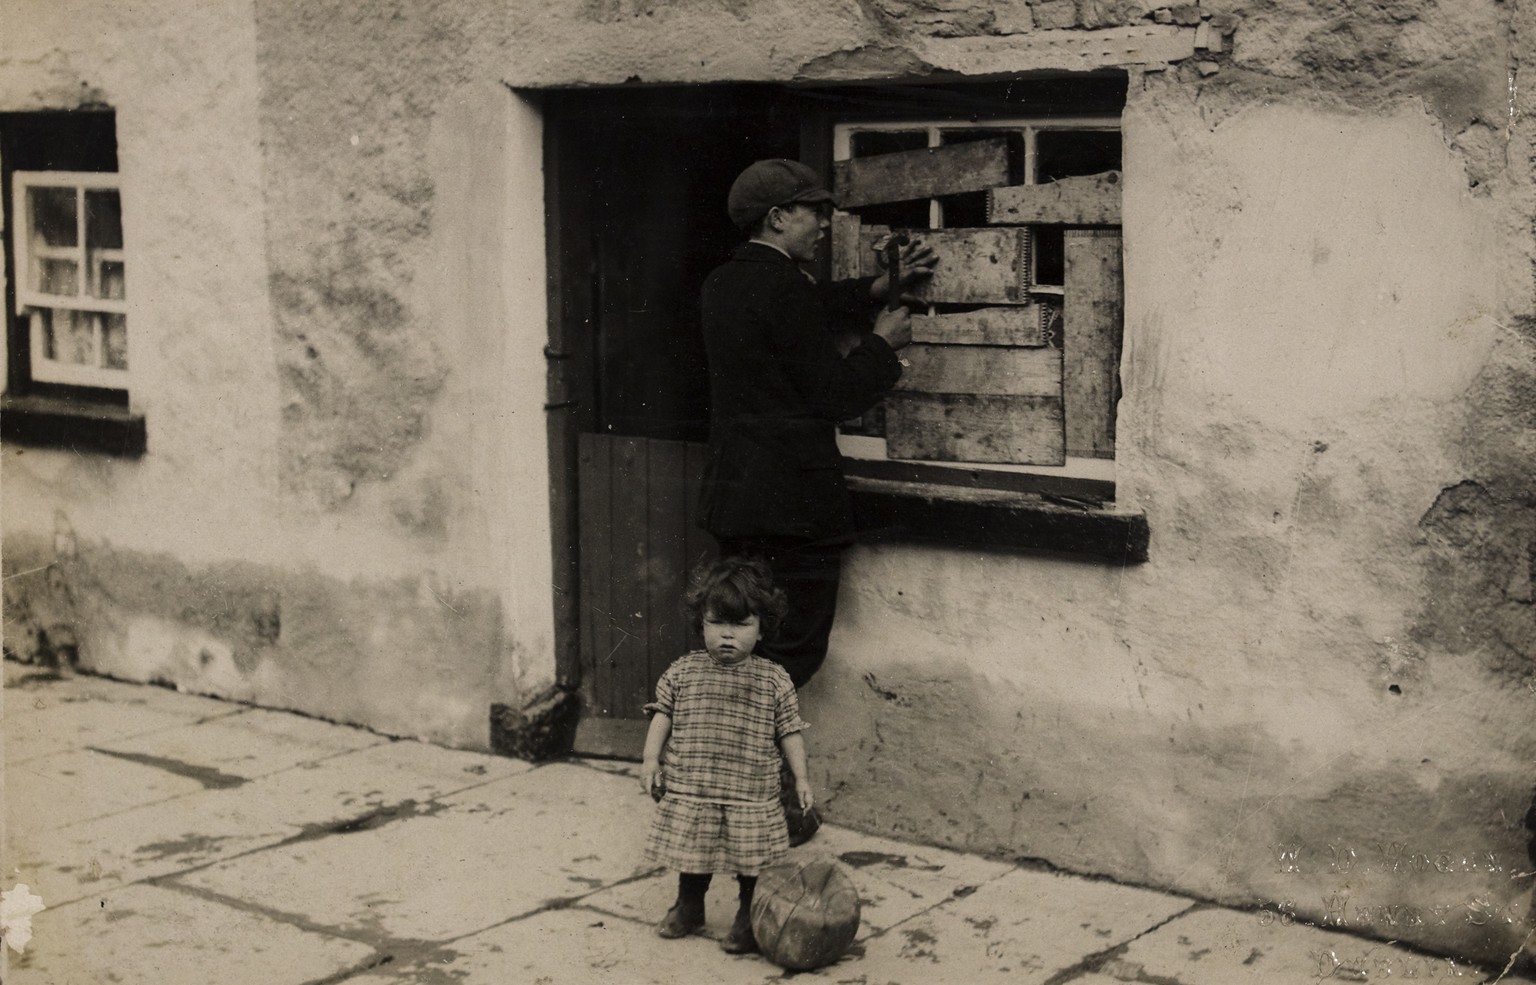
(1328, 375)
(235, 557)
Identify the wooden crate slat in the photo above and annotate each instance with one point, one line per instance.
(1092, 320)
(844, 235)
(973, 369)
(970, 427)
(1091, 200)
(984, 326)
(926, 173)
(975, 266)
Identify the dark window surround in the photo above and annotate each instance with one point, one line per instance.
(975, 508)
(54, 422)
(948, 505)
(50, 414)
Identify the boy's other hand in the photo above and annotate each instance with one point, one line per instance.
(895, 326)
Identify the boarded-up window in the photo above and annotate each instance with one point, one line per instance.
(1016, 340)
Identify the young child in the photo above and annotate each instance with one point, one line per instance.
(712, 755)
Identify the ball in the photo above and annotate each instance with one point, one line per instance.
(804, 914)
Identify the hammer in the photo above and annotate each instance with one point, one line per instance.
(892, 250)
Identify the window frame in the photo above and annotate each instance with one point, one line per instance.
(1097, 473)
(30, 302)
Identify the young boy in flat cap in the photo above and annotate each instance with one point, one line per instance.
(773, 481)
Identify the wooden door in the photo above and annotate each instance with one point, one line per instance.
(638, 542)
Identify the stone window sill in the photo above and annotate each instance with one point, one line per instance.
(1003, 519)
(50, 422)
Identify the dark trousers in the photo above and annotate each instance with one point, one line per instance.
(808, 572)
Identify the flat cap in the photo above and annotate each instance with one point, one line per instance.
(773, 182)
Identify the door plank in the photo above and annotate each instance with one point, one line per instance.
(594, 482)
(976, 369)
(1091, 200)
(627, 659)
(975, 266)
(1092, 324)
(968, 427)
(667, 560)
(927, 173)
(984, 326)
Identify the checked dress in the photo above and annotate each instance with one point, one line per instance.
(720, 766)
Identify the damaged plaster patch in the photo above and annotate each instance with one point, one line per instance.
(865, 62)
(1481, 564)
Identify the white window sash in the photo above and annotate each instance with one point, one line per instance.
(31, 303)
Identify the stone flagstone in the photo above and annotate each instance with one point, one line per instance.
(175, 835)
(454, 866)
(146, 934)
(1023, 928)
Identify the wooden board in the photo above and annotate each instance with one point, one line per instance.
(927, 173)
(968, 427)
(844, 236)
(1093, 200)
(984, 326)
(973, 369)
(975, 266)
(1093, 316)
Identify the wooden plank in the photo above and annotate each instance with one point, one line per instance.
(1092, 324)
(611, 738)
(927, 173)
(983, 326)
(968, 427)
(844, 235)
(973, 369)
(1092, 200)
(975, 266)
(667, 560)
(627, 660)
(701, 546)
(594, 480)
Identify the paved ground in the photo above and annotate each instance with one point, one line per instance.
(177, 839)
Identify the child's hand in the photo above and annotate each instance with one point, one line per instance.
(650, 779)
(803, 792)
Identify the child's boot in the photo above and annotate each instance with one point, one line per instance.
(687, 914)
(740, 939)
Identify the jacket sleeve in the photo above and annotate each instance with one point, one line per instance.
(833, 386)
(848, 304)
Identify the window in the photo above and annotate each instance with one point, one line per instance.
(1015, 359)
(70, 277)
(68, 354)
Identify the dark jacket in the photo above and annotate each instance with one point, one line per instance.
(779, 386)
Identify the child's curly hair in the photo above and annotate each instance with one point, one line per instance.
(734, 588)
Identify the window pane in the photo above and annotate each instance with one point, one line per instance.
(1050, 255)
(115, 337)
(54, 220)
(103, 220)
(69, 336)
(1065, 153)
(61, 277)
(110, 280)
(863, 143)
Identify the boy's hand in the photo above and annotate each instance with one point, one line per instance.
(803, 792)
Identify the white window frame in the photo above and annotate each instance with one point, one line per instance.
(867, 447)
(31, 303)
